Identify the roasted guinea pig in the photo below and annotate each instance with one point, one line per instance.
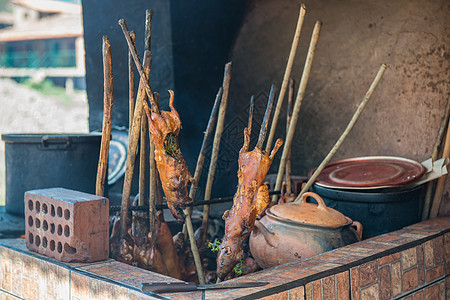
(173, 172)
(251, 198)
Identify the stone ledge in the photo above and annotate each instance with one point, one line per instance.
(412, 261)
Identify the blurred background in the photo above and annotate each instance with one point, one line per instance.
(42, 71)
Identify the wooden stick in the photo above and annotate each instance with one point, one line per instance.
(107, 117)
(347, 130)
(434, 157)
(297, 105)
(288, 120)
(194, 249)
(216, 146)
(143, 144)
(137, 61)
(131, 93)
(287, 74)
(202, 153)
(441, 181)
(153, 188)
(251, 111)
(133, 139)
(265, 122)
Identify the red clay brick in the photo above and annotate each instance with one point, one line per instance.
(317, 290)
(419, 295)
(438, 250)
(349, 259)
(435, 273)
(354, 274)
(429, 254)
(421, 264)
(386, 239)
(328, 287)
(30, 289)
(396, 278)
(342, 286)
(410, 280)
(67, 225)
(388, 259)
(80, 285)
(447, 252)
(432, 292)
(292, 275)
(309, 291)
(63, 286)
(94, 290)
(296, 293)
(368, 273)
(279, 296)
(329, 256)
(106, 290)
(6, 274)
(52, 279)
(385, 282)
(409, 258)
(370, 292)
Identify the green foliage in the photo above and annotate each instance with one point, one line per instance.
(5, 5)
(48, 88)
(238, 268)
(214, 246)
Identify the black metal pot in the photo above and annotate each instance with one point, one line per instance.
(36, 161)
(379, 211)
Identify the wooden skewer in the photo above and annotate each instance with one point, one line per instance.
(153, 188)
(137, 61)
(107, 117)
(131, 93)
(441, 181)
(216, 146)
(434, 157)
(133, 139)
(287, 74)
(143, 144)
(265, 123)
(297, 105)
(250, 118)
(288, 120)
(202, 153)
(347, 130)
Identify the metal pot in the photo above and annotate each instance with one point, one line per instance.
(293, 231)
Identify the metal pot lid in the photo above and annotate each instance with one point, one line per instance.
(370, 172)
(310, 213)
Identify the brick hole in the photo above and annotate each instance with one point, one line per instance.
(44, 208)
(38, 223)
(30, 221)
(66, 231)
(38, 207)
(52, 210)
(38, 240)
(59, 230)
(52, 245)
(69, 249)
(45, 225)
(59, 247)
(66, 214)
(59, 211)
(30, 205)
(30, 238)
(44, 242)
(52, 227)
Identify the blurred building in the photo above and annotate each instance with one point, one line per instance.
(44, 41)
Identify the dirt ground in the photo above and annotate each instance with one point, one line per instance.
(24, 110)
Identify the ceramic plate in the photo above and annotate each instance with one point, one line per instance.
(370, 172)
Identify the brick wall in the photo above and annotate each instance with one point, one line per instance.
(411, 263)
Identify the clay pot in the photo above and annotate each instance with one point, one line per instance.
(293, 231)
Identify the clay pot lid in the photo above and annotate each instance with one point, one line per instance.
(370, 172)
(310, 213)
